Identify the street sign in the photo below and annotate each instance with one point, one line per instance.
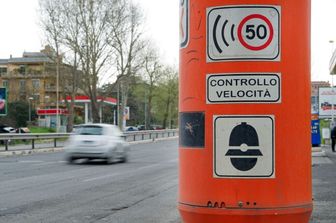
(243, 33)
(244, 146)
(243, 88)
(3, 101)
(184, 23)
(327, 102)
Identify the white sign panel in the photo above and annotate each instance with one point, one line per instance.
(244, 146)
(243, 88)
(327, 97)
(250, 32)
(325, 133)
(184, 23)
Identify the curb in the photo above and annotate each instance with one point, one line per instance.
(29, 152)
(316, 149)
(319, 154)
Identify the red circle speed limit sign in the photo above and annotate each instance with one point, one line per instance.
(255, 32)
(243, 33)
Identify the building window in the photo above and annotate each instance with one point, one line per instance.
(49, 86)
(22, 85)
(3, 70)
(36, 98)
(5, 83)
(36, 83)
(22, 69)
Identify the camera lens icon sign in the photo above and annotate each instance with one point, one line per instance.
(244, 147)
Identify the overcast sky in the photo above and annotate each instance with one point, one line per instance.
(20, 31)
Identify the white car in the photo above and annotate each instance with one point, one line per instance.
(97, 141)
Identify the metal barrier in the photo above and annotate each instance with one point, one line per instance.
(149, 134)
(129, 136)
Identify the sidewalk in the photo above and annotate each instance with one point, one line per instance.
(318, 152)
(324, 185)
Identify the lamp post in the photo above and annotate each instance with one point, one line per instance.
(29, 103)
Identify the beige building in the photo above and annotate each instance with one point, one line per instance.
(315, 85)
(32, 77)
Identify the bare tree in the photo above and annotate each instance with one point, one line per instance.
(152, 74)
(170, 99)
(128, 46)
(93, 47)
(62, 29)
(71, 38)
(98, 33)
(84, 29)
(52, 24)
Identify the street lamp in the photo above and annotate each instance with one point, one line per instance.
(29, 103)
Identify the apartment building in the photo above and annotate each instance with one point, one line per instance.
(32, 77)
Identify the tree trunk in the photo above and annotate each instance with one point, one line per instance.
(124, 98)
(149, 111)
(165, 116)
(71, 115)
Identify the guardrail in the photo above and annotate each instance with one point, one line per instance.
(149, 134)
(129, 136)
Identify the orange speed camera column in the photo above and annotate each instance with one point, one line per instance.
(244, 146)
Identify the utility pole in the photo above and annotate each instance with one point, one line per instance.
(146, 127)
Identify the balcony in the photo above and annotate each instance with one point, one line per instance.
(50, 89)
(27, 74)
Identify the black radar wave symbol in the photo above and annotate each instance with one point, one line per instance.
(243, 134)
(222, 31)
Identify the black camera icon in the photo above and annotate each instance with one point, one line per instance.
(244, 147)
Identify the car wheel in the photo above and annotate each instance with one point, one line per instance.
(109, 160)
(70, 160)
(124, 159)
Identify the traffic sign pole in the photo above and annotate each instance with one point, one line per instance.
(244, 142)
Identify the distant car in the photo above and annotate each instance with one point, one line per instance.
(22, 130)
(156, 127)
(97, 141)
(131, 128)
(141, 127)
(7, 129)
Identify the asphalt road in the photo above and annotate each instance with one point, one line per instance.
(43, 188)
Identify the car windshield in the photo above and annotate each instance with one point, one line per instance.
(89, 130)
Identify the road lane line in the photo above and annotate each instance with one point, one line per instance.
(31, 161)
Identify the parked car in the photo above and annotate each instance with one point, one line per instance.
(22, 130)
(141, 127)
(97, 141)
(131, 128)
(6, 129)
(156, 127)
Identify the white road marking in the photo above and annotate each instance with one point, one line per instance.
(31, 161)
